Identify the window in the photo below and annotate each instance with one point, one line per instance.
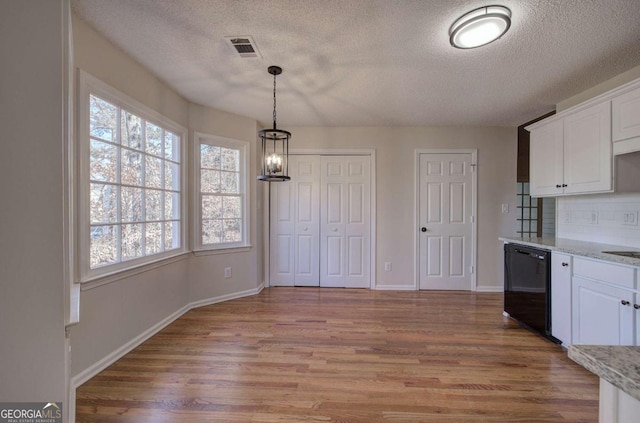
(222, 192)
(131, 184)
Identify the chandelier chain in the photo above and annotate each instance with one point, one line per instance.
(274, 101)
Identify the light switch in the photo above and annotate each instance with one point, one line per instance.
(505, 208)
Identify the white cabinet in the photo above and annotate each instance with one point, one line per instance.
(587, 150)
(546, 160)
(625, 123)
(602, 314)
(602, 303)
(572, 154)
(561, 297)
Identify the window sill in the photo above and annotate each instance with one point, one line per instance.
(127, 273)
(214, 251)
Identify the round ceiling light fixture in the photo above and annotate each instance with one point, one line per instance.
(480, 27)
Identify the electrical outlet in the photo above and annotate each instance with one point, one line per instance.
(227, 272)
(387, 266)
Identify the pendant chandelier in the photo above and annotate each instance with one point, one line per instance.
(275, 144)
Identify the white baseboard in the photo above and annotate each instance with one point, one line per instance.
(496, 288)
(114, 356)
(395, 287)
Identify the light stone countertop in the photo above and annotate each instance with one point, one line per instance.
(579, 248)
(618, 365)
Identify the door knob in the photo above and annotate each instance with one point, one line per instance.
(423, 229)
(636, 306)
(624, 302)
(565, 264)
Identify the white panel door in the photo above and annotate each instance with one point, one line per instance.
(295, 225)
(345, 221)
(445, 204)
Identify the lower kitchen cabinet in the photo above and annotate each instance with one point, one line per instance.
(561, 297)
(601, 314)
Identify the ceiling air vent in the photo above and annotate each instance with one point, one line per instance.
(245, 46)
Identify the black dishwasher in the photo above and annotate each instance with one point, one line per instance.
(527, 287)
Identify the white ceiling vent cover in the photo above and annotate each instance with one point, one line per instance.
(245, 46)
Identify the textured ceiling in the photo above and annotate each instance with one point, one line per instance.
(374, 62)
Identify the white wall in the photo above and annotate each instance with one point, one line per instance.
(32, 340)
(607, 218)
(395, 179)
(206, 272)
(114, 315)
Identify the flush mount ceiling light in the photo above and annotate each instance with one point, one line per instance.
(480, 27)
(275, 144)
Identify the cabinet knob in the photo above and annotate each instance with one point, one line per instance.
(565, 264)
(564, 185)
(423, 229)
(636, 306)
(624, 302)
(558, 186)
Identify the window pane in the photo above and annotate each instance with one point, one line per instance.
(131, 241)
(211, 207)
(171, 176)
(232, 230)
(232, 208)
(154, 139)
(209, 156)
(153, 205)
(230, 159)
(131, 200)
(153, 238)
(102, 119)
(104, 205)
(209, 180)
(171, 235)
(171, 146)
(171, 206)
(153, 172)
(103, 248)
(102, 163)
(131, 164)
(230, 182)
(131, 130)
(212, 231)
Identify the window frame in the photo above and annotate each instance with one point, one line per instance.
(89, 85)
(244, 148)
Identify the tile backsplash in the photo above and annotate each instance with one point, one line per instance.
(606, 218)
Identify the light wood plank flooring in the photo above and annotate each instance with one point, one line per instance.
(335, 355)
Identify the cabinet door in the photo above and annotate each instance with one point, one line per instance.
(561, 297)
(546, 160)
(587, 150)
(601, 314)
(626, 116)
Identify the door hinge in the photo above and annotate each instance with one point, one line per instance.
(470, 269)
(473, 167)
(473, 219)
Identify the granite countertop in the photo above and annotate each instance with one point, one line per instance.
(580, 248)
(618, 365)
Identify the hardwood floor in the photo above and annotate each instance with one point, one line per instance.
(335, 355)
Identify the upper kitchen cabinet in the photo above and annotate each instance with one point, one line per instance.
(571, 153)
(625, 128)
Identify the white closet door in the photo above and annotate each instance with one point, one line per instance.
(295, 225)
(345, 221)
